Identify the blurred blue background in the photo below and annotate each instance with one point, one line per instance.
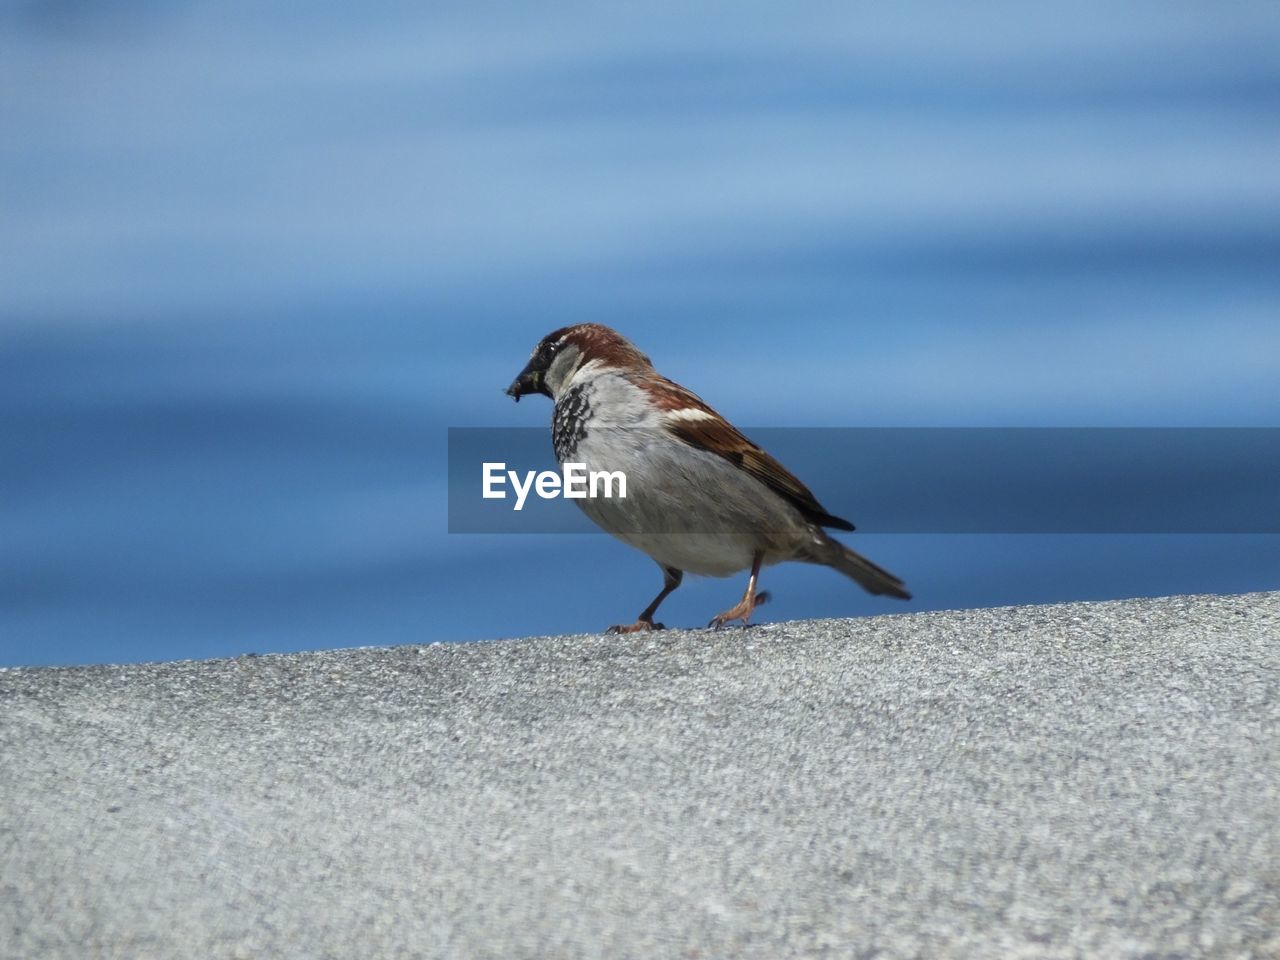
(255, 259)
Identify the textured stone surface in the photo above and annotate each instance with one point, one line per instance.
(1097, 780)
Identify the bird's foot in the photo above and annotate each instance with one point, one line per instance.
(640, 626)
(742, 611)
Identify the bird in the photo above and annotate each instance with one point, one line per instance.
(700, 497)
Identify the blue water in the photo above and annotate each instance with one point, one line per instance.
(253, 264)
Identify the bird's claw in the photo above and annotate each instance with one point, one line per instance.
(640, 626)
(742, 611)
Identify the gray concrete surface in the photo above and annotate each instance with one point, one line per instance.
(1084, 780)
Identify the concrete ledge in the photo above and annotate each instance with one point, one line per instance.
(1094, 780)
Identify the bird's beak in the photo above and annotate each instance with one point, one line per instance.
(529, 381)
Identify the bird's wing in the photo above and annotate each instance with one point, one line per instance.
(694, 422)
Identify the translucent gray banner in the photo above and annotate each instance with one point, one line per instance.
(942, 480)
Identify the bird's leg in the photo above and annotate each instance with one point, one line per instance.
(671, 578)
(750, 600)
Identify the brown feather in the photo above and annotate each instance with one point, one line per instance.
(717, 435)
(598, 342)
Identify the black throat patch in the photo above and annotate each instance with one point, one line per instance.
(569, 421)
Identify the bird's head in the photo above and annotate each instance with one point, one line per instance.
(565, 353)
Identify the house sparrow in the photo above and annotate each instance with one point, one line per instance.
(700, 497)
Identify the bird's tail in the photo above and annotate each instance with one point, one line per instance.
(858, 568)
